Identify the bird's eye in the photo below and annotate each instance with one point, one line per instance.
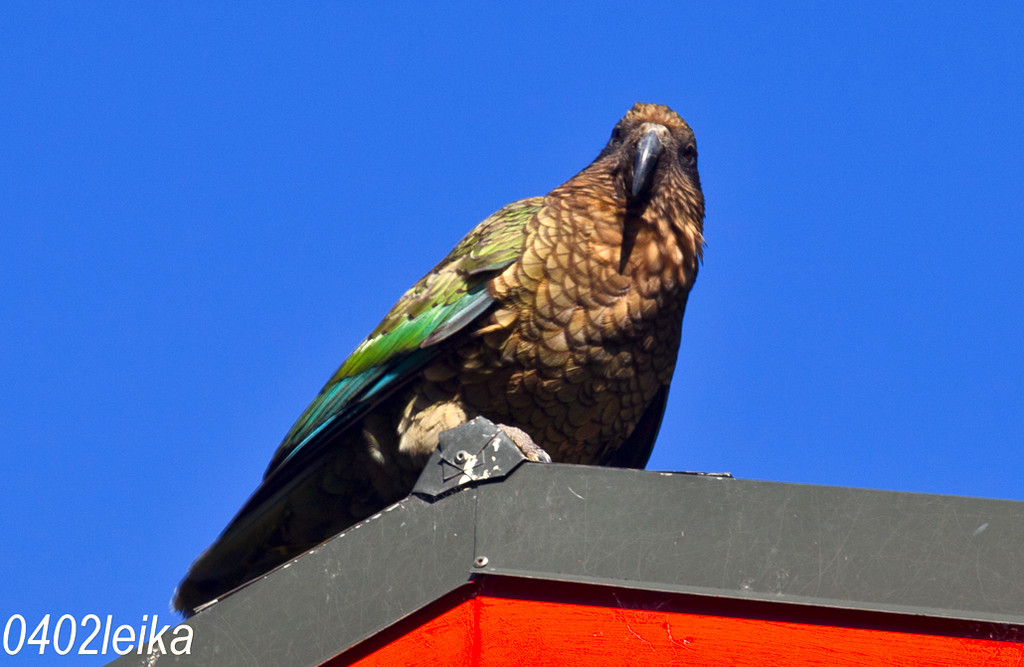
(688, 156)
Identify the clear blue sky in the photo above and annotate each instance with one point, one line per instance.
(205, 207)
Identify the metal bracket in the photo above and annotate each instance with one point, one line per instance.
(476, 451)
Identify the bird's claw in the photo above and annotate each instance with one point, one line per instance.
(530, 449)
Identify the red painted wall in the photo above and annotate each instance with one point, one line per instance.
(488, 630)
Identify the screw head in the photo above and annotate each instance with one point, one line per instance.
(481, 561)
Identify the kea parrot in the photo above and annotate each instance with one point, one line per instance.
(557, 317)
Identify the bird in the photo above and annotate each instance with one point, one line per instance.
(557, 317)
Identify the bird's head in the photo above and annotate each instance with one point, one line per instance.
(653, 150)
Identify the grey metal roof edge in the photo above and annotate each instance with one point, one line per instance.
(921, 554)
(340, 593)
(832, 548)
(728, 476)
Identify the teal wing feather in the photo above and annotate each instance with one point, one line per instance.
(443, 302)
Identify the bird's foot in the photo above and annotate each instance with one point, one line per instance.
(530, 449)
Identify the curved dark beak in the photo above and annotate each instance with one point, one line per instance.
(648, 150)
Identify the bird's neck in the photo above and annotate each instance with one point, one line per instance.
(656, 244)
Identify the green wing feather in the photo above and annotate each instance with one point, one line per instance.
(443, 302)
